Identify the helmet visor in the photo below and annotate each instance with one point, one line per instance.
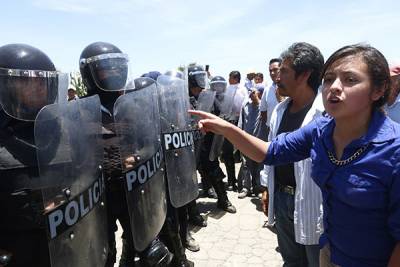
(23, 93)
(110, 72)
(218, 86)
(199, 78)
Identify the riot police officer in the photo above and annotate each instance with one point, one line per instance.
(50, 189)
(180, 192)
(197, 81)
(210, 169)
(104, 70)
(23, 236)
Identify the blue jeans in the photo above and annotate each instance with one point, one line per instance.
(293, 253)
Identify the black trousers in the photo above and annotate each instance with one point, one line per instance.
(229, 161)
(170, 234)
(211, 170)
(117, 209)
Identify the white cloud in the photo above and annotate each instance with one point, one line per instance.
(227, 34)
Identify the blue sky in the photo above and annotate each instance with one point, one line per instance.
(227, 35)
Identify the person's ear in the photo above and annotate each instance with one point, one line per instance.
(305, 76)
(378, 93)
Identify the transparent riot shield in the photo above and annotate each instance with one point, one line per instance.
(137, 121)
(206, 100)
(69, 151)
(224, 104)
(178, 140)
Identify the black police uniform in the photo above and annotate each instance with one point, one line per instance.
(175, 228)
(116, 199)
(22, 228)
(117, 208)
(170, 235)
(115, 194)
(211, 170)
(23, 237)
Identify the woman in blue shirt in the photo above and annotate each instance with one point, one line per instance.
(355, 153)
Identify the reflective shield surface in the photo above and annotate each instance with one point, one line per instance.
(137, 121)
(69, 153)
(178, 140)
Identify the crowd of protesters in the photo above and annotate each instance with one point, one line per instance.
(320, 146)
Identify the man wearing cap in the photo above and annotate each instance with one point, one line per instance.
(393, 104)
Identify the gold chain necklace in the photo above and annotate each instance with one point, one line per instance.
(337, 162)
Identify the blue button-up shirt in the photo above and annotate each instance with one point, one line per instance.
(361, 199)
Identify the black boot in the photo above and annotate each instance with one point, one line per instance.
(157, 254)
(187, 240)
(226, 206)
(223, 201)
(227, 154)
(194, 215)
(182, 263)
(205, 182)
(171, 237)
(180, 259)
(190, 243)
(232, 182)
(210, 193)
(198, 220)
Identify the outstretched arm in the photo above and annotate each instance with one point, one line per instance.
(251, 146)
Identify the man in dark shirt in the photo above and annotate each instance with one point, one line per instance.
(284, 174)
(299, 80)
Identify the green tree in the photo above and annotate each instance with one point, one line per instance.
(77, 83)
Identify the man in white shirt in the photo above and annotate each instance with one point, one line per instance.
(268, 100)
(241, 94)
(291, 198)
(259, 83)
(393, 104)
(72, 94)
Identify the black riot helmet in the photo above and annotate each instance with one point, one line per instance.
(104, 70)
(138, 84)
(197, 77)
(143, 82)
(218, 84)
(28, 81)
